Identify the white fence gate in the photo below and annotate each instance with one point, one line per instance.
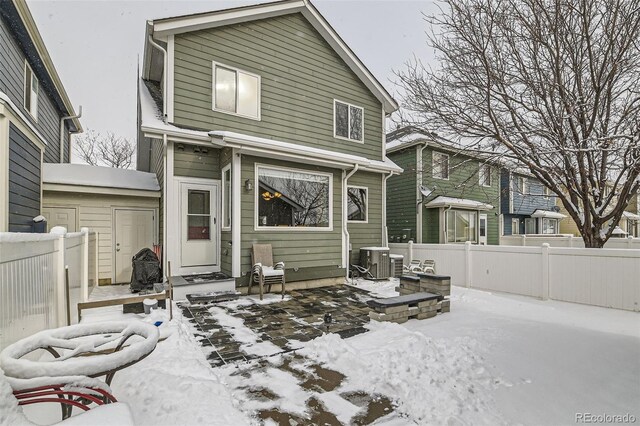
(600, 277)
(32, 281)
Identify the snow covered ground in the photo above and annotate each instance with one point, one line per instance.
(494, 359)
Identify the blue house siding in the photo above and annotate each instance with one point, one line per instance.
(24, 181)
(504, 191)
(514, 204)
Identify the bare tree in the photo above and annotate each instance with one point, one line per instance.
(104, 149)
(552, 84)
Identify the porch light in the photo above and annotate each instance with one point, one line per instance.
(248, 186)
(269, 196)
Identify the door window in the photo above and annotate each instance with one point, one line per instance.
(199, 215)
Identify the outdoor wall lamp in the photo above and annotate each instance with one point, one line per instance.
(248, 186)
(180, 147)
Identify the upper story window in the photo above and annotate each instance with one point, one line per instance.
(348, 121)
(357, 203)
(31, 90)
(547, 193)
(440, 166)
(484, 175)
(236, 92)
(521, 183)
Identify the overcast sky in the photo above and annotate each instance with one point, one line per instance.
(95, 45)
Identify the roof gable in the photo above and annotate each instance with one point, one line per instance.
(162, 28)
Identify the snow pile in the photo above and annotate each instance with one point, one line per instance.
(386, 288)
(104, 415)
(10, 412)
(433, 381)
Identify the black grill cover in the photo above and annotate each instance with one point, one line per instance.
(146, 270)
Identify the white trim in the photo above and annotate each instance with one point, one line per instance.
(170, 78)
(99, 190)
(433, 174)
(4, 172)
(183, 24)
(215, 64)
(256, 194)
(223, 215)
(349, 105)
(366, 212)
(236, 218)
(482, 165)
(384, 134)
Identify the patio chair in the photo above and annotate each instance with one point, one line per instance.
(264, 271)
(421, 267)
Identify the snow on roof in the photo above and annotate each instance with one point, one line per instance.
(548, 214)
(462, 203)
(108, 177)
(629, 215)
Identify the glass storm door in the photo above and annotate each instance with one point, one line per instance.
(199, 235)
(482, 234)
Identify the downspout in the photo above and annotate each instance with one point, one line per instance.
(345, 213)
(385, 230)
(164, 204)
(164, 78)
(62, 120)
(419, 182)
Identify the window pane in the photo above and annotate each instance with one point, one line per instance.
(485, 175)
(198, 202)
(225, 88)
(356, 124)
(342, 120)
(199, 227)
(226, 200)
(483, 227)
(247, 95)
(27, 89)
(291, 198)
(357, 204)
(451, 226)
(440, 165)
(529, 226)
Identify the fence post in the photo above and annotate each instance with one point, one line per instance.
(410, 249)
(85, 264)
(545, 271)
(61, 281)
(467, 264)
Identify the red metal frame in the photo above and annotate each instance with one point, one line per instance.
(35, 396)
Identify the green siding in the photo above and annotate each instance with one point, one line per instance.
(401, 196)
(370, 233)
(186, 162)
(157, 167)
(318, 251)
(431, 226)
(301, 75)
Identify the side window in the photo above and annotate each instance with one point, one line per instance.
(357, 203)
(484, 175)
(236, 92)
(440, 166)
(226, 197)
(348, 121)
(31, 91)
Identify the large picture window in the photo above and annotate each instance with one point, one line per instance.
(288, 198)
(440, 165)
(348, 121)
(461, 226)
(357, 207)
(236, 92)
(31, 90)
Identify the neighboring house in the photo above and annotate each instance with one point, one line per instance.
(445, 195)
(35, 125)
(120, 205)
(262, 126)
(527, 206)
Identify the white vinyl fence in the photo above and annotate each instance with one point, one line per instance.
(530, 240)
(33, 281)
(601, 277)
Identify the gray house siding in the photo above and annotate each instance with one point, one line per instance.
(301, 75)
(522, 205)
(12, 63)
(24, 181)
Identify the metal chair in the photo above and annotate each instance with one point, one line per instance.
(264, 271)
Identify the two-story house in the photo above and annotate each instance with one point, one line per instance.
(527, 206)
(36, 117)
(446, 194)
(262, 126)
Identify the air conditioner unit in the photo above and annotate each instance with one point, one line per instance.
(376, 260)
(396, 265)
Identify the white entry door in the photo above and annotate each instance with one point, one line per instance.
(482, 230)
(60, 216)
(199, 227)
(134, 231)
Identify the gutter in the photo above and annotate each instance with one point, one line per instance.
(345, 212)
(62, 120)
(164, 80)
